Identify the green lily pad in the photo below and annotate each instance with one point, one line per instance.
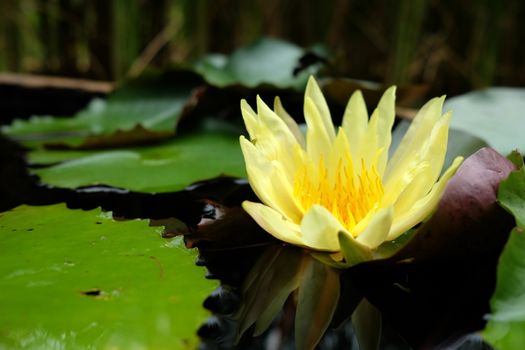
(168, 167)
(266, 61)
(73, 279)
(512, 196)
(495, 115)
(506, 327)
(144, 109)
(44, 156)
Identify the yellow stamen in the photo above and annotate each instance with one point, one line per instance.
(349, 196)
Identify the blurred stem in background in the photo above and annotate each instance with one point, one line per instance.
(408, 24)
(453, 45)
(48, 34)
(485, 44)
(11, 39)
(126, 34)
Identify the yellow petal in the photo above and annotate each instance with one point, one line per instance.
(435, 149)
(415, 137)
(378, 134)
(418, 187)
(320, 229)
(318, 142)
(274, 223)
(394, 187)
(278, 128)
(337, 161)
(433, 154)
(355, 121)
(289, 121)
(250, 119)
(377, 229)
(313, 92)
(386, 114)
(270, 182)
(274, 139)
(423, 207)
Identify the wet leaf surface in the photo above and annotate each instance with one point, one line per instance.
(168, 167)
(75, 279)
(188, 205)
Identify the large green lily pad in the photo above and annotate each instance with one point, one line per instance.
(71, 279)
(506, 327)
(496, 115)
(266, 61)
(168, 167)
(144, 109)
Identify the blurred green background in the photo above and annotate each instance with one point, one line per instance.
(454, 45)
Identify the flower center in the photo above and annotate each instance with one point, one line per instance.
(348, 195)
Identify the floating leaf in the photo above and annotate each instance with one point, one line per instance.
(494, 115)
(76, 279)
(512, 196)
(168, 167)
(517, 159)
(266, 61)
(145, 109)
(42, 156)
(506, 327)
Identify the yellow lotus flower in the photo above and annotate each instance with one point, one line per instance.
(340, 186)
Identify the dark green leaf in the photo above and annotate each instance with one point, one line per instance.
(267, 61)
(43, 156)
(516, 158)
(171, 166)
(81, 280)
(512, 196)
(145, 109)
(506, 327)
